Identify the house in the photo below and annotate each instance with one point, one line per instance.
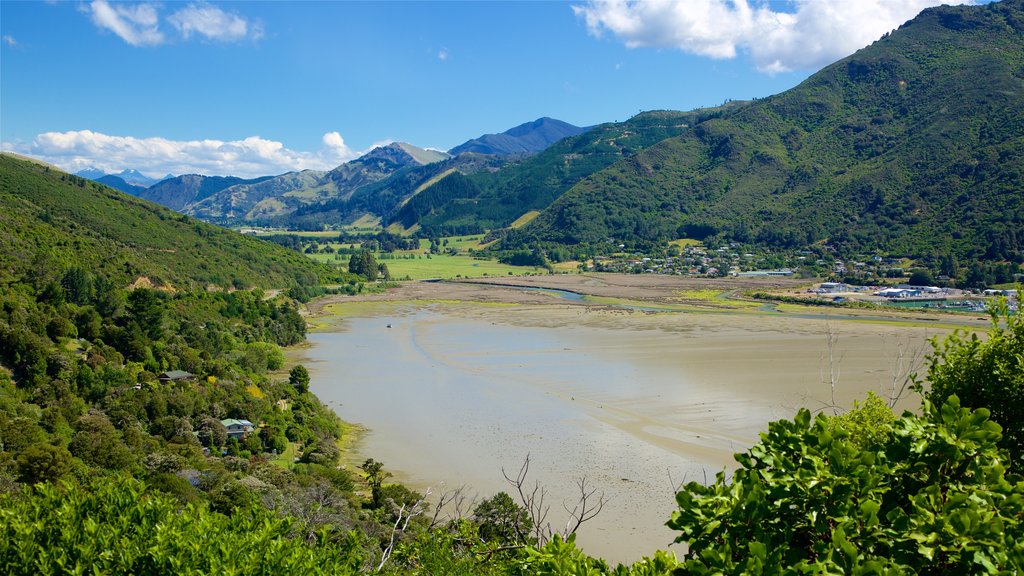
(176, 376)
(898, 293)
(238, 429)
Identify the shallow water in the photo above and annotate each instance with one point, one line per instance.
(635, 403)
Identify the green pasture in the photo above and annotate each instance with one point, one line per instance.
(444, 266)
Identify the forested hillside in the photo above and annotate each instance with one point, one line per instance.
(497, 198)
(51, 221)
(912, 146)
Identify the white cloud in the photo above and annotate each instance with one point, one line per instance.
(139, 24)
(442, 54)
(136, 24)
(253, 156)
(213, 23)
(9, 40)
(816, 33)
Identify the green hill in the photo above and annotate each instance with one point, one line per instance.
(912, 146)
(52, 220)
(535, 182)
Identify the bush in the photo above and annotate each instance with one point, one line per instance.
(986, 373)
(934, 499)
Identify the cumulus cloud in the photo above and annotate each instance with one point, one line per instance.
(250, 157)
(442, 54)
(136, 24)
(815, 33)
(213, 23)
(139, 24)
(9, 40)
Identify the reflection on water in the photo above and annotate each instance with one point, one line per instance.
(454, 395)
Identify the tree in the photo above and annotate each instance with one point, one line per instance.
(299, 378)
(986, 374)
(502, 521)
(77, 286)
(931, 498)
(921, 278)
(375, 476)
(364, 264)
(43, 462)
(211, 432)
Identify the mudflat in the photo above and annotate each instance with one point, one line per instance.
(457, 381)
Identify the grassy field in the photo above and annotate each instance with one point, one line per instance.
(525, 219)
(444, 266)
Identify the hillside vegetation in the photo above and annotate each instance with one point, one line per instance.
(52, 220)
(912, 146)
(495, 199)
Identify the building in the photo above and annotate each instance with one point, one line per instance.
(176, 376)
(238, 429)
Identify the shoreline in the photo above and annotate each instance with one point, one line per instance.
(682, 432)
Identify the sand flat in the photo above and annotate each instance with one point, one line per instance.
(455, 391)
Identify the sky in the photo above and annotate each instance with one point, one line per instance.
(258, 88)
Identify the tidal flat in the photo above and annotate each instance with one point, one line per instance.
(453, 392)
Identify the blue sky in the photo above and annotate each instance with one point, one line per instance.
(252, 88)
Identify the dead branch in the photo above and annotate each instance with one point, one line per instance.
(403, 519)
(454, 498)
(587, 507)
(903, 368)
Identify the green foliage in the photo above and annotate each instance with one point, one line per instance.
(116, 527)
(910, 147)
(866, 425)
(935, 498)
(561, 557)
(299, 378)
(986, 374)
(90, 227)
(43, 463)
(502, 521)
(364, 264)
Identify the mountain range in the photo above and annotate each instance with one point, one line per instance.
(913, 146)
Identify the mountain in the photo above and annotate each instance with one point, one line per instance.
(912, 146)
(384, 198)
(136, 178)
(120, 184)
(178, 192)
(91, 173)
(525, 139)
(281, 195)
(496, 198)
(52, 220)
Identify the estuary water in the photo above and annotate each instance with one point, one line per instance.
(636, 403)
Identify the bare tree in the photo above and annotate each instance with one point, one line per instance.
(589, 503)
(903, 368)
(402, 518)
(455, 502)
(834, 371)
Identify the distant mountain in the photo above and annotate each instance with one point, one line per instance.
(384, 198)
(52, 220)
(119, 183)
(913, 146)
(136, 178)
(91, 173)
(495, 198)
(179, 192)
(129, 176)
(282, 195)
(525, 139)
